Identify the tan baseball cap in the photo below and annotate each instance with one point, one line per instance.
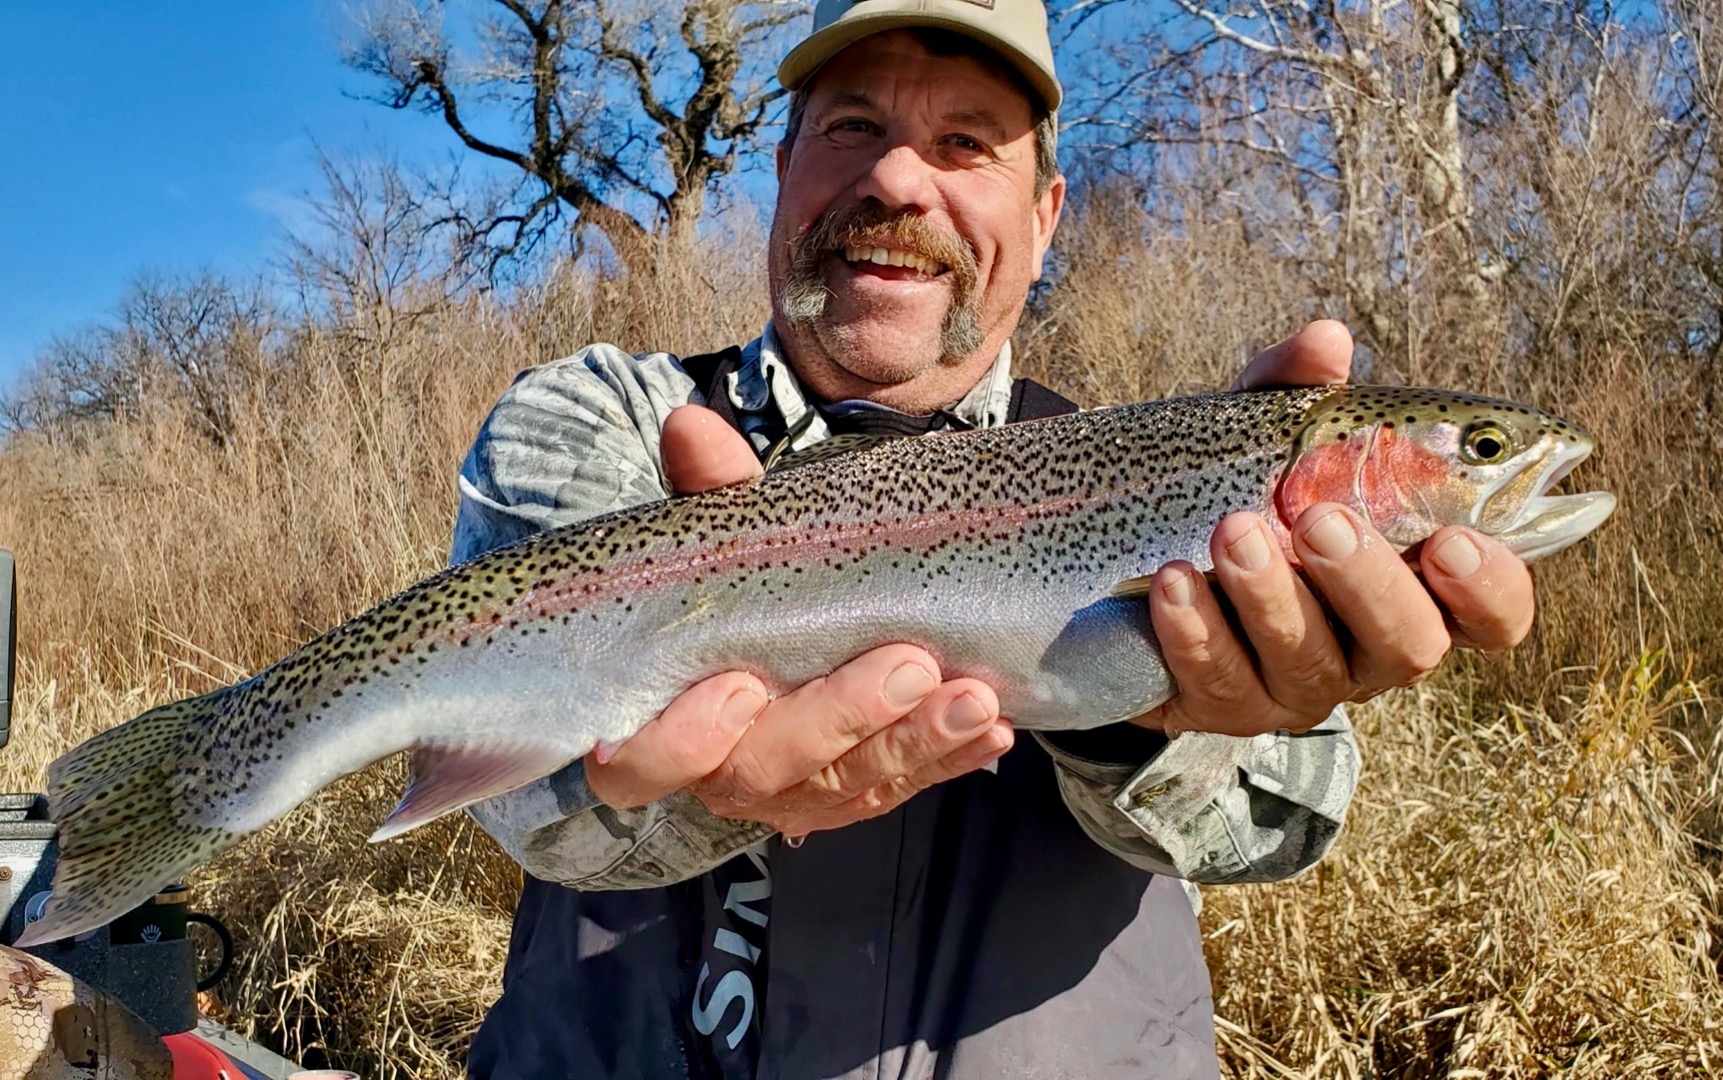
(1015, 29)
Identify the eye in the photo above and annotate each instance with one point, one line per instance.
(1484, 443)
(852, 125)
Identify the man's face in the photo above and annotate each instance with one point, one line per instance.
(907, 229)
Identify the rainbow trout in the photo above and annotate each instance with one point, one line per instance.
(1017, 555)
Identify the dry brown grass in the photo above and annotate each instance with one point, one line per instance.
(1522, 891)
(1516, 895)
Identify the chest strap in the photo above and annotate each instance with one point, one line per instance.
(1029, 399)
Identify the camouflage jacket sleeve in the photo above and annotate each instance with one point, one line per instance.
(1214, 809)
(566, 442)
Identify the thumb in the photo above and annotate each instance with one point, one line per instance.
(1317, 355)
(702, 452)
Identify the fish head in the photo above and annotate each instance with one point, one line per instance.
(1413, 461)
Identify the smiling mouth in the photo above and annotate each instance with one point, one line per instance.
(908, 260)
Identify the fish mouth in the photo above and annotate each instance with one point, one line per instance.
(1548, 523)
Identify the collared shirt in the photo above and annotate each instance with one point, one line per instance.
(580, 437)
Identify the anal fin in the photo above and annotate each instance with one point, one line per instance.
(443, 780)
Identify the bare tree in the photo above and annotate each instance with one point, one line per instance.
(195, 342)
(1337, 126)
(372, 259)
(1466, 175)
(1695, 29)
(619, 114)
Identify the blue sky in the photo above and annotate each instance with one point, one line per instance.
(171, 137)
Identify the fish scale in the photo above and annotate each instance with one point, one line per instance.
(1017, 555)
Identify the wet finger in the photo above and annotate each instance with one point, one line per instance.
(809, 728)
(1298, 656)
(691, 738)
(1219, 687)
(701, 452)
(1486, 589)
(1398, 633)
(987, 747)
(950, 718)
(1319, 354)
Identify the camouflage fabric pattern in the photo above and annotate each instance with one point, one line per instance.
(53, 1027)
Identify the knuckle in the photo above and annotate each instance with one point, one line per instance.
(1412, 664)
(1227, 677)
(1427, 654)
(1313, 682)
(1302, 721)
(853, 720)
(851, 715)
(743, 779)
(1405, 650)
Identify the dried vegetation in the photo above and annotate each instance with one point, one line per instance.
(1529, 882)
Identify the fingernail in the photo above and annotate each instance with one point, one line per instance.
(1458, 557)
(965, 713)
(740, 709)
(1332, 536)
(905, 687)
(1178, 591)
(1250, 551)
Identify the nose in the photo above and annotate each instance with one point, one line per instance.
(900, 179)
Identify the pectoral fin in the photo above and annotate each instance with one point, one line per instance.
(1138, 588)
(1133, 588)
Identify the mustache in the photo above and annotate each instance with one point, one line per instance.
(872, 225)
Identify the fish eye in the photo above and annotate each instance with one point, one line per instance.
(1484, 444)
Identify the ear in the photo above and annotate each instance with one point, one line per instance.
(1047, 210)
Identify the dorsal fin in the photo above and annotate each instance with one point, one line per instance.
(824, 450)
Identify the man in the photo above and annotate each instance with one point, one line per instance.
(748, 888)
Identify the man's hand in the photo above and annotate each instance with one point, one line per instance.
(1287, 666)
(849, 746)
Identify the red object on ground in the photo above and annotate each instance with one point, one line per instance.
(194, 1059)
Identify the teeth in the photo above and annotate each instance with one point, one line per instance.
(892, 257)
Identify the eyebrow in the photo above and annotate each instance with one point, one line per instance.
(980, 118)
(985, 119)
(852, 99)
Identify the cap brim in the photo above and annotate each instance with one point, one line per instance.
(811, 55)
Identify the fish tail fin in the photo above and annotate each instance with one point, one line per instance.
(116, 801)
